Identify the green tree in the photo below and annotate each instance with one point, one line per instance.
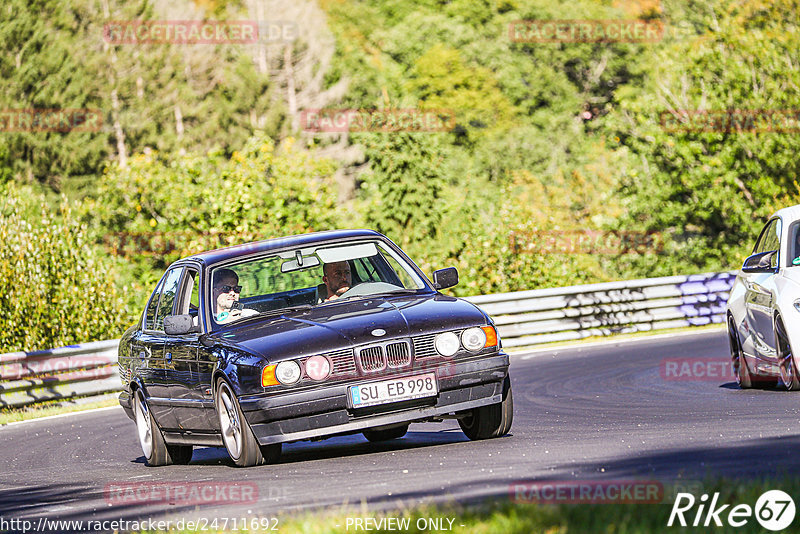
(708, 192)
(58, 288)
(404, 186)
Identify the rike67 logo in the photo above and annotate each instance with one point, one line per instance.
(774, 510)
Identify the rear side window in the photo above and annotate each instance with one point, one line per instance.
(152, 306)
(168, 294)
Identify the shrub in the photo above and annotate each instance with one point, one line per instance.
(57, 287)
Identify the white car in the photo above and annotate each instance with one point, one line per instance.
(764, 306)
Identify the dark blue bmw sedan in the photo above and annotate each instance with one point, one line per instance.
(302, 338)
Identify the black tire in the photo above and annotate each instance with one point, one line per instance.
(150, 437)
(490, 421)
(789, 375)
(180, 454)
(740, 370)
(271, 453)
(238, 437)
(387, 434)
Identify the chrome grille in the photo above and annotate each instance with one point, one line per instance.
(343, 363)
(371, 358)
(397, 354)
(423, 346)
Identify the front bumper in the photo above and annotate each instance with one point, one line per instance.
(324, 411)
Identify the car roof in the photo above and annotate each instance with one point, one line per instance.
(223, 254)
(791, 213)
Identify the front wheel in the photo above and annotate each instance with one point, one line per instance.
(789, 375)
(240, 442)
(490, 421)
(150, 437)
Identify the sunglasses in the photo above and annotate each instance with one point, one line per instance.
(228, 289)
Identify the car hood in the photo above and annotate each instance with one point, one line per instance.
(338, 325)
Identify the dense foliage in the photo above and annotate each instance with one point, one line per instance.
(57, 287)
(552, 141)
(155, 211)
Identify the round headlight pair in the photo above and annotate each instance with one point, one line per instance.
(447, 343)
(289, 372)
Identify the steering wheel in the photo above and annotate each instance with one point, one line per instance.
(368, 288)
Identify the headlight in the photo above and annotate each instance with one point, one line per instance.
(318, 367)
(473, 339)
(446, 344)
(287, 372)
(797, 305)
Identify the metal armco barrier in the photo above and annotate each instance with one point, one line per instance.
(526, 318)
(62, 373)
(523, 319)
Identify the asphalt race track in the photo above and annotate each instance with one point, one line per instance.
(602, 411)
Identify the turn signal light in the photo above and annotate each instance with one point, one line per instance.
(268, 376)
(491, 336)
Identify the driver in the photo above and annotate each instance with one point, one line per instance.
(225, 293)
(337, 279)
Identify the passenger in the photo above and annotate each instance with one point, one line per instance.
(226, 293)
(336, 279)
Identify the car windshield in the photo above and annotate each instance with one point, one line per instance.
(309, 276)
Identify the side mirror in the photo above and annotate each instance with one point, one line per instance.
(760, 263)
(444, 278)
(179, 325)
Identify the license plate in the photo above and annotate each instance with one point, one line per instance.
(397, 389)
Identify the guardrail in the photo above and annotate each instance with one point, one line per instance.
(526, 318)
(523, 318)
(62, 373)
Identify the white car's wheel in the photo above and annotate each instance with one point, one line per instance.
(789, 374)
(740, 370)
